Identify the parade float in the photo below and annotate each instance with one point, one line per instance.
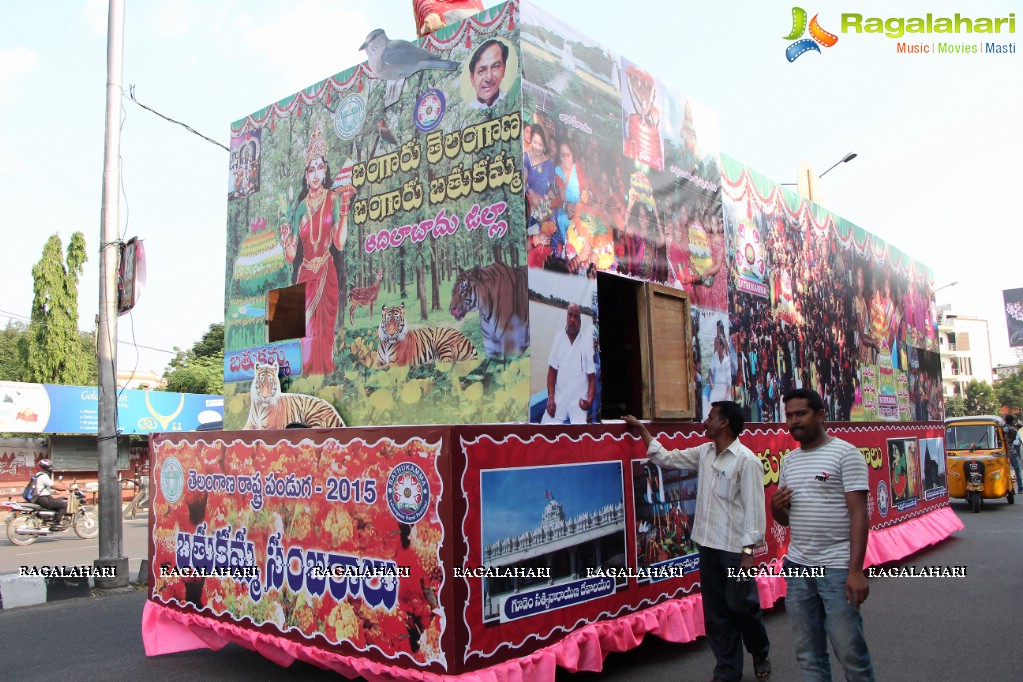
(407, 253)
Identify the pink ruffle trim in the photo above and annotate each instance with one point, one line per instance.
(903, 539)
(771, 589)
(165, 630)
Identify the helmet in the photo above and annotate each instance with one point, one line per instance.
(46, 465)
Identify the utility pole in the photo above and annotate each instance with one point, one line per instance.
(111, 548)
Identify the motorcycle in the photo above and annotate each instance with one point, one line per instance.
(30, 521)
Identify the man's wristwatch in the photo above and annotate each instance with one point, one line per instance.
(748, 551)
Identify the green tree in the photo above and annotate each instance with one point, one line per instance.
(14, 343)
(1009, 392)
(201, 368)
(90, 356)
(211, 345)
(199, 375)
(55, 348)
(14, 352)
(980, 398)
(955, 406)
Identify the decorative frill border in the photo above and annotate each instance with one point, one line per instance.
(770, 589)
(741, 183)
(908, 537)
(166, 631)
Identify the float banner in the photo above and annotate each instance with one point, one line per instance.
(240, 365)
(906, 464)
(575, 529)
(334, 543)
(378, 219)
(1014, 315)
(47, 408)
(818, 302)
(550, 527)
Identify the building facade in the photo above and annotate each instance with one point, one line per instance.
(141, 380)
(1006, 371)
(965, 347)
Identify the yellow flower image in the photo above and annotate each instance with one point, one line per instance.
(339, 525)
(342, 623)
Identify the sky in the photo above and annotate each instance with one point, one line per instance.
(940, 153)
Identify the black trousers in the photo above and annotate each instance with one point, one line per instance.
(57, 504)
(731, 612)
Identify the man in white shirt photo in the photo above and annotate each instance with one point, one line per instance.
(571, 374)
(486, 73)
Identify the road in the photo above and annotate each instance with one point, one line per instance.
(67, 549)
(917, 628)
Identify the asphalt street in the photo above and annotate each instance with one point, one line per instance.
(917, 628)
(67, 549)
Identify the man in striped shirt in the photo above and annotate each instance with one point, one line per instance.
(729, 523)
(822, 498)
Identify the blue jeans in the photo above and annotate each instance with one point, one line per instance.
(817, 607)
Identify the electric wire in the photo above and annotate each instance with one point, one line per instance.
(131, 95)
(119, 242)
(21, 318)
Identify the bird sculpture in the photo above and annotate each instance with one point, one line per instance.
(398, 59)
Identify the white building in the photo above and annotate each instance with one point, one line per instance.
(142, 380)
(965, 347)
(1006, 371)
(559, 547)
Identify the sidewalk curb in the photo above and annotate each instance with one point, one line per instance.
(18, 590)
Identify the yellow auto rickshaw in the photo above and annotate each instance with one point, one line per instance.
(977, 458)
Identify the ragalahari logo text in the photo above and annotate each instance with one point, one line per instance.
(818, 36)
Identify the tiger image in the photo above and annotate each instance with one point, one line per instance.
(269, 408)
(501, 295)
(403, 346)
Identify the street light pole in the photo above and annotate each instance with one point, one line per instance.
(807, 180)
(845, 159)
(110, 540)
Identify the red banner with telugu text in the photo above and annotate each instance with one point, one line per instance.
(332, 542)
(562, 530)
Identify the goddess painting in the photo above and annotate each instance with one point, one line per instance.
(322, 219)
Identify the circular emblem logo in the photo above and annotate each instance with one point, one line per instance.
(430, 109)
(408, 492)
(172, 479)
(349, 117)
(882, 499)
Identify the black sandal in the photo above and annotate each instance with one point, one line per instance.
(762, 668)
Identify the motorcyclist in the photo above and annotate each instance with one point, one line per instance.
(45, 487)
